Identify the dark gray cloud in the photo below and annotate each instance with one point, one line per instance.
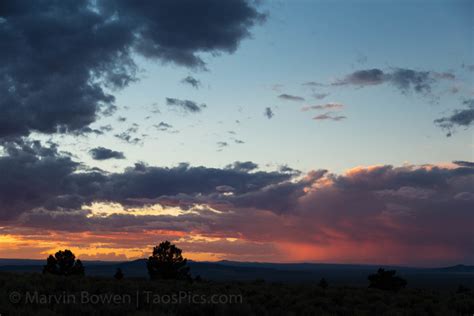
(405, 80)
(459, 118)
(158, 35)
(244, 166)
(195, 83)
(185, 105)
(268, 113)
(130, 135)
(106, 128)
(58, 57)
(363, 78)
(35, 177)
(162, 126)
(102, 153)
(461, 163)
(329, 116)
(290, 97)
(288, 169)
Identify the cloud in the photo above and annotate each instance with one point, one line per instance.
(195, 83)
(38, 177)
(222, 144)
(410, 214)
(129, 135)
(62, 60)
(467, 164)
(185, 105)
(405, 80)
(106, 128)
(327, 106)
(289, 97)
(101, 153)
(363, 78)
(162, 126)
(268, 113)
(329, 116)
(243, 166)
(459, 118)
(159, 36)
(33, 176)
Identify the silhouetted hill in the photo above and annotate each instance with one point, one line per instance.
(458, 268)
(338, 274)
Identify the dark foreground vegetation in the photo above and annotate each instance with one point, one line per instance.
(45, 294)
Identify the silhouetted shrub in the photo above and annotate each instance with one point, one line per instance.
(323, 284)
(167, 263)
(118, 274)
(386, 280)
(463, 289)
(63, 263)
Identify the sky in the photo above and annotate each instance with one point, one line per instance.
(277, 131)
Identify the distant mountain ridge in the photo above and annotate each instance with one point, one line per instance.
(343, 274)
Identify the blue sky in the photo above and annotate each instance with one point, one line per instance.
(305, 41)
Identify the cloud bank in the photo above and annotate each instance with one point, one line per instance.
(409, 214)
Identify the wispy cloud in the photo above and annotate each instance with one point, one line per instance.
(289, 97)
(186, 105)
(327, 106)
(403, 79)
(329, 116)
(459, 118)
(195, 83)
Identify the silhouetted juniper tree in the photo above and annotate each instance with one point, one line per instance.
(63, 263)
(323, 284)
(462, 289)
(167, 263)
(386, 280)
(118, 274)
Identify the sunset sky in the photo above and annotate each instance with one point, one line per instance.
(276, 131)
